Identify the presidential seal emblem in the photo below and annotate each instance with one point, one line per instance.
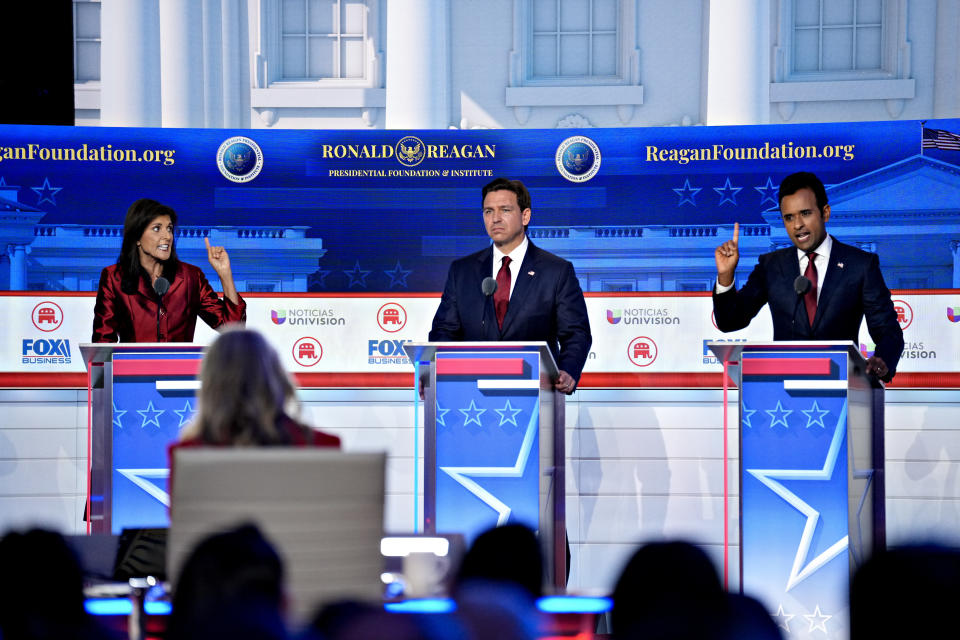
(578, 158)
(411, 151)
(239, 159)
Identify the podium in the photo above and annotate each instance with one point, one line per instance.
(139, 397)
(493, 441)
(811, 475)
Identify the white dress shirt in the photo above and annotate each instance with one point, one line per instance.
(516, 259)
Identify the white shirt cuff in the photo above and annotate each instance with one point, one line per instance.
(719, 288)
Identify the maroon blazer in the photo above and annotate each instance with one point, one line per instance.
(300, 436)
(123, 317)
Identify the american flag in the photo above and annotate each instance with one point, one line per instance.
(940, 139)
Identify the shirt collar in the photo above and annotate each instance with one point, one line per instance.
(823, 250)
(516, 255)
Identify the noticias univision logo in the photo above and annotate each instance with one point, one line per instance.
(278, 317)
(613, 316)
(953, 314)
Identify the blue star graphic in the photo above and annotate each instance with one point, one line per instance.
(441, 415)
(767, 192)
(728, 193)
(745, 417)
(504, 418)
(815, 415)
(779, 415)
(46, 192)
(687, 193)
(318, 279)
(472, 409)
(465, 475)
(801, 569)
(398, 276)
(154, 415)
(117, 414)
(357, 275)
(186, 414)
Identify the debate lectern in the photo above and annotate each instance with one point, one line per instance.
(139, 397)
(811, 475)
(493, 441)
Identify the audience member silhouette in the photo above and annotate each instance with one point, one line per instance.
(231, 586)
(41, 590)
(509, 554)
(246, 398)
(906, 592)
(671, 590)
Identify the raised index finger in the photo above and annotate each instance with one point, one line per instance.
(736, 232)
(207, 241)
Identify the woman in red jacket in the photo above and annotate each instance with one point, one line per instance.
(149, 295)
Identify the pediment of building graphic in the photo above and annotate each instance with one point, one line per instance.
(917, 189)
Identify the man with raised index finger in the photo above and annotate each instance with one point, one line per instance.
(819, 289)
(537, 294)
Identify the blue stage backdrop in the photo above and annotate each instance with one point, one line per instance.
(381, 211)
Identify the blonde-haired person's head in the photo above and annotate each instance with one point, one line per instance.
(245, 393)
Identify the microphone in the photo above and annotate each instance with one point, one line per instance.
(161, 285)
(488, 286)
(801, 285)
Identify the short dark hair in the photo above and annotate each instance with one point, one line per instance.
(803, 180)
(517, 187)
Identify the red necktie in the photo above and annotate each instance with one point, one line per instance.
(501, 297)
(810, 299)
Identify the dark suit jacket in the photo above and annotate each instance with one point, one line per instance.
(547, 304)
(133, 317)
(853, 289)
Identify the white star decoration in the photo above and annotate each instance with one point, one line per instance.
(150, 415)
(815, 415)
(186, 414)
(779, 415)
(783, 619)
(745, 417)
(472, 414)
(464, 475)
(508, 419)
(817, 620)
(441, 415)
(800, 572)
(117, 414)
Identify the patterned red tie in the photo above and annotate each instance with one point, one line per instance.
(501, 297)
(810, 299)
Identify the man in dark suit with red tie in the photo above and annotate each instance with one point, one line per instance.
(840, 286)
(537, 295)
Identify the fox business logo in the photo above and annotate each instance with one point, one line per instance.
(44, 351)
(387, 352)
(408, 151)
(708, 357)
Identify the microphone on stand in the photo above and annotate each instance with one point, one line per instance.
(801, 285)
(488, 286)
(161, 285)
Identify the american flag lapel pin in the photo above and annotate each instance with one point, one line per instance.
(840, 265)
(531, 273)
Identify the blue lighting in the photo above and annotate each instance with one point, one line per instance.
(574, 604)
(123, 607)
(423, 605)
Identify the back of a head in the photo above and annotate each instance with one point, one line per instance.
(41, 591)
(922, 581)
(244, 391)
(228, 577)
(662, 581)
(510, 554)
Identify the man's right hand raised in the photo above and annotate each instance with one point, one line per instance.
(727, 255)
